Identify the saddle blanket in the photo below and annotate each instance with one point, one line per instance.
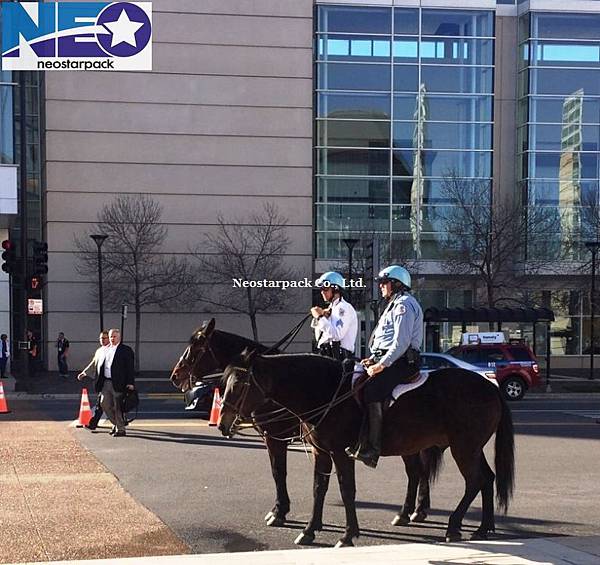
(401, 389)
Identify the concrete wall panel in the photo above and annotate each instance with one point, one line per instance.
(177, 149)
(179, 119)
(182, 89)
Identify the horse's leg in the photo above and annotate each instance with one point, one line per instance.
(278, 456)
(322, 472)
(423, 498)
(469, 465)
(487, 502)
(412, 465)
(344, 467)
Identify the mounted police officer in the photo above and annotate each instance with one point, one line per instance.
(395, 357)
(335, 327)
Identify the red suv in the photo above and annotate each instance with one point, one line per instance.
(517, 369)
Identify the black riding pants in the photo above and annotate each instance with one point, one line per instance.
(380, 387)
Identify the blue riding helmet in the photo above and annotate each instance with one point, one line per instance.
(332, 278)
(397, 273)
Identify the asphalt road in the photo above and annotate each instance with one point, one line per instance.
(213, 492)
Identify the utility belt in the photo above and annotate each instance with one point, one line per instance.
(335, 350)
(412, 356)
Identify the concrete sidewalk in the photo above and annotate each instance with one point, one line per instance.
(550, 551)
(57, 501)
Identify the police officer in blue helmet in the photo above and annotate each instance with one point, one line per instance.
(336, 326)
(395, 357)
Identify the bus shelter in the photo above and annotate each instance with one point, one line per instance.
(435, 316)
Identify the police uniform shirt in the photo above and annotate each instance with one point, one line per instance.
(400, 327)
(342, 325)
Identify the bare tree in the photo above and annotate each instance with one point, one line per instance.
(490, 242)
(252, 252)
(134, 271)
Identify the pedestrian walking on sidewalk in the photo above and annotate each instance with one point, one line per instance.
(62, 346)
(116, 375)
(95, 364)
(33, 352)
(4, 355)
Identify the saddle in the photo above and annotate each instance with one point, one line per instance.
(360, 377)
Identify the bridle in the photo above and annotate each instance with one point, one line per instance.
(185, 362)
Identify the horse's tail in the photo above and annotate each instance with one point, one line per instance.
(432, 459)
(505, 458)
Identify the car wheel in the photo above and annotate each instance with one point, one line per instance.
(513, 388)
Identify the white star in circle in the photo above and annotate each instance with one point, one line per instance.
(123, 30)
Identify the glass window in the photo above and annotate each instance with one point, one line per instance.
(353, 133)
(354, 105)
(6, 125)
(570, 137)
(359, 218)
(354, 19)
(457, 23)
(406, 50)
(461, 163)
(406, 78)
(551, 109)
(457, 136)
(404, 134)
(457, 51)
(547, 165)
(457, 79)
(405, 106)
(444, 107)
(406, 21)
(403, 162)
(353, 76)
(353, 48)
(401, 190)
(439, 191)
(563, 25)
(352, 162)
(358, 190)
(565, 81)
(561, 54)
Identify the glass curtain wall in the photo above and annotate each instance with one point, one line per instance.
(559, 127)
(404, 102)
(559, 151)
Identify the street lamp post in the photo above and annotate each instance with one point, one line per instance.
(99, 240)
(593, 247)
(350, 244)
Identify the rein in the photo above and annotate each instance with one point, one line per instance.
(281, 414)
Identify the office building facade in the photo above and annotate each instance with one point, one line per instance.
(356, 119)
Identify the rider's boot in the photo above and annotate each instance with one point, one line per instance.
(370, 450)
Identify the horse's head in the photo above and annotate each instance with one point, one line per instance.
(197, 360)
(243, 393)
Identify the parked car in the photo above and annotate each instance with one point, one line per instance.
(516, 366)
(434, 361)
(200, 397)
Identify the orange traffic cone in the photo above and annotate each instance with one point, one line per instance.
(3, 406)
(215, 411)
(85, 414)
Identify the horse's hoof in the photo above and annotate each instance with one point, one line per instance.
(275, 521)
(304, 539)
(343, 543)
(481, 534)
(400, 521)
(268, 516)
(418, 516)
(453, 536)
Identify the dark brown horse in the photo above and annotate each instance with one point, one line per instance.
(454, 408)
(211, 350)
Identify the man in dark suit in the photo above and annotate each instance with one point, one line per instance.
(115, 376)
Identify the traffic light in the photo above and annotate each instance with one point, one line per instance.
(9, 256)
(40, 258)
(35, 283)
